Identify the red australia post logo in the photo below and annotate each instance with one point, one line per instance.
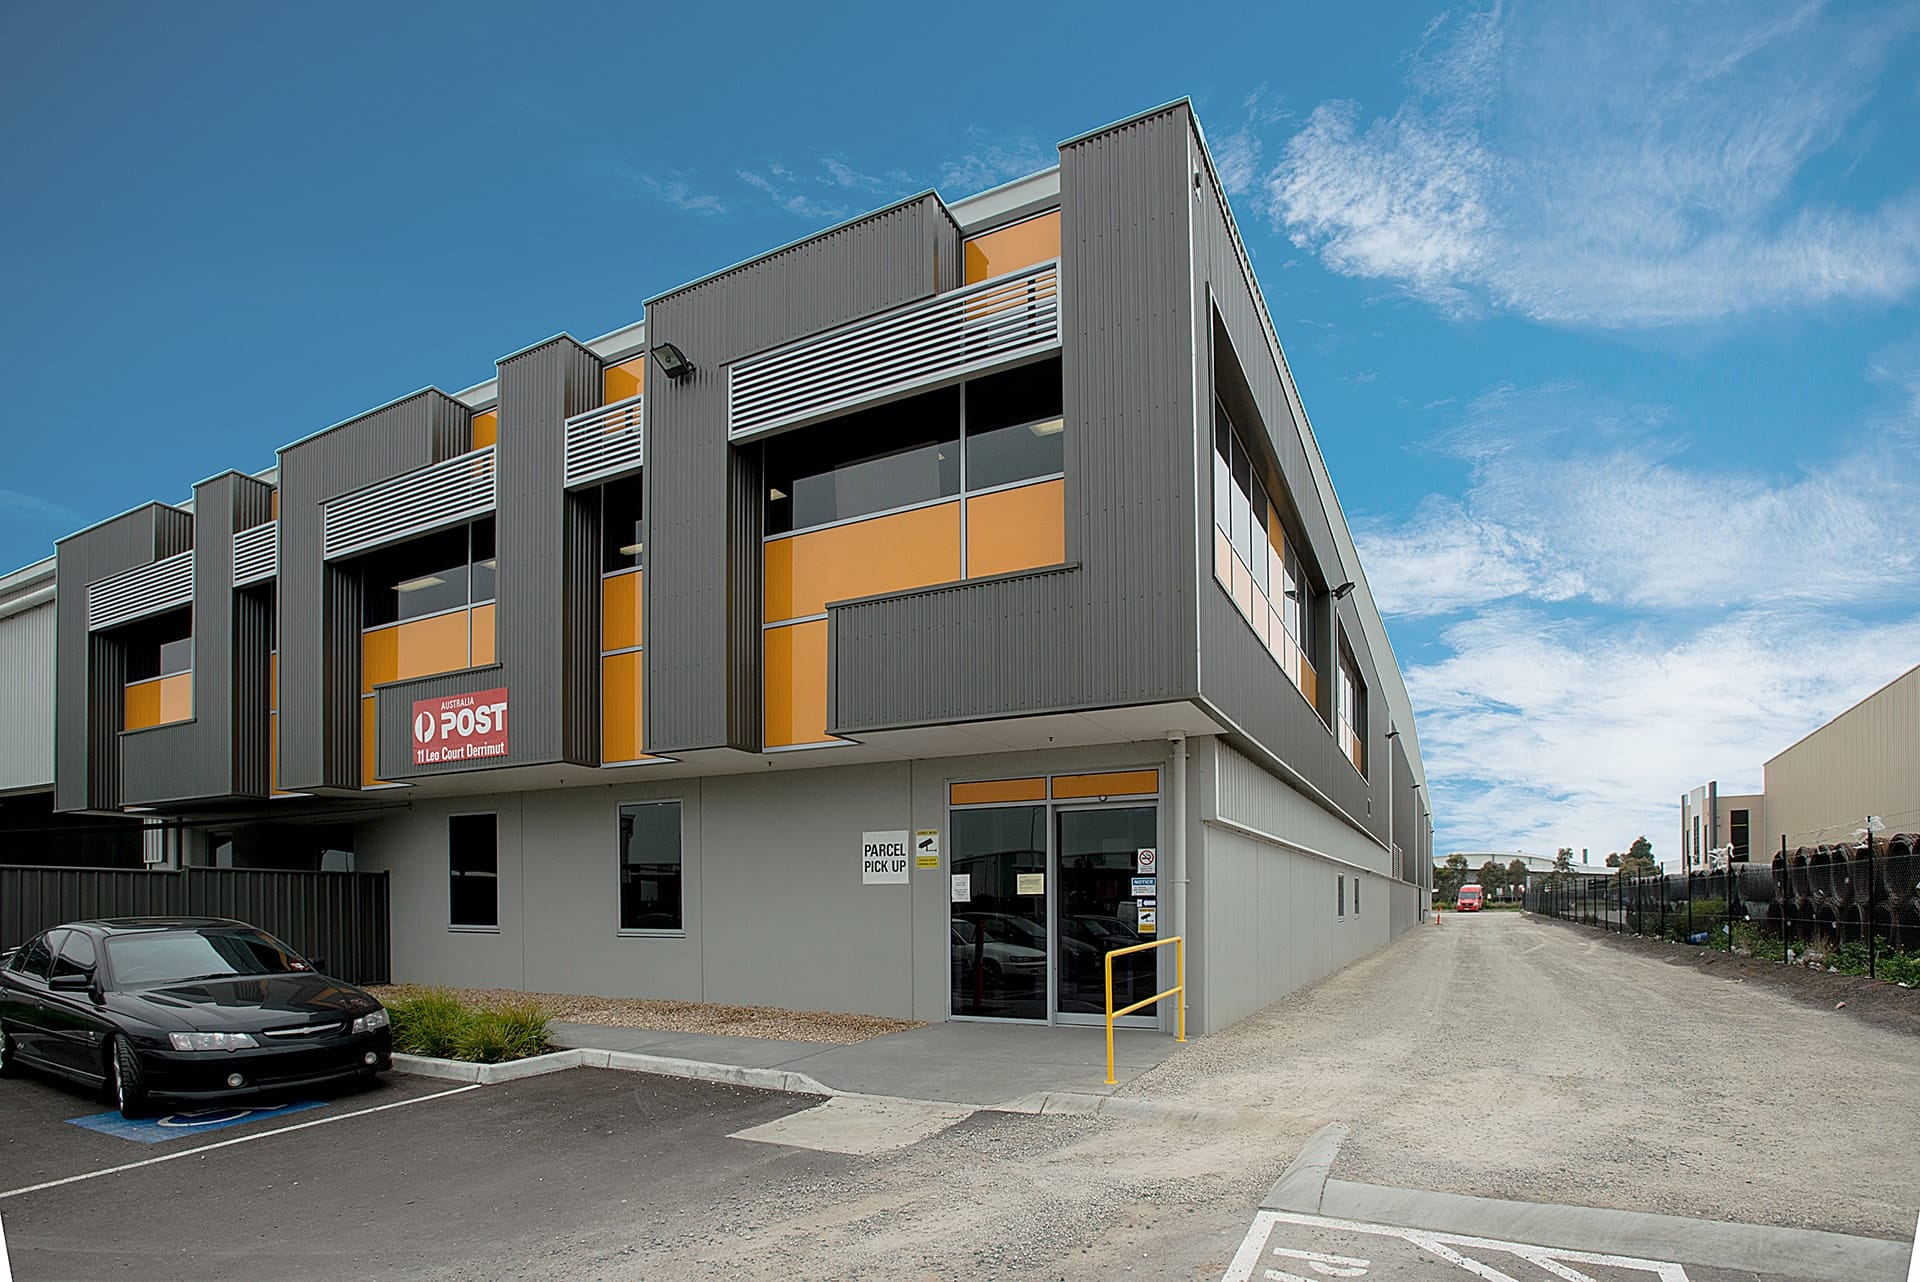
(460, 727)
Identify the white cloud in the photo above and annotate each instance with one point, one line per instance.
(1568, 499)
(988, 164)
(1611, 620)
(28, 507)
(787, 190)
(1630, 165)
(1538, 732)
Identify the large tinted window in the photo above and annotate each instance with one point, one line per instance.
(1014, 426)
(879, 459)
(473, 871)
(419, 577)
(159, 646)
(623, 531)
(650, 866)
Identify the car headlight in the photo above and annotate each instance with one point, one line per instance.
(213, 1041)
(371, 1022)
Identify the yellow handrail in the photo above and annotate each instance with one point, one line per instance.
(1180, 986)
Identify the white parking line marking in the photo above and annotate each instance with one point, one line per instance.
(244, 1139)
(1552, 1259)
(6, 1270)
(1913, 1261)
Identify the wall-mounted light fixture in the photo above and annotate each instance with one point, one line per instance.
(673, 362)
(1343, 590)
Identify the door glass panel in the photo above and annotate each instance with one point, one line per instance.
(1099, 910)
(997, 934)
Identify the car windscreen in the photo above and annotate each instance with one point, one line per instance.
(180, 956)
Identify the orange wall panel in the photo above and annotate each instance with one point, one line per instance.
(273, 682)
(486, 429)
(1017, 529)
(618, 382)
(621, 599)
(483, 643)
(1122, 783)
(620, 726)
(369, 742)
(973, 794)
(416, 648)
(887, 554)
(158, 702)
(796, 684)
(1034, 240)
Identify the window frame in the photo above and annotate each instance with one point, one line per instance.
(474, 928)
(1340, 896)
(620, 866)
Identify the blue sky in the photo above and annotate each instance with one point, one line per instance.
(1605, 315)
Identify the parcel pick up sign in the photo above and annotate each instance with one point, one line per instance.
(884, 857)
(460, 727)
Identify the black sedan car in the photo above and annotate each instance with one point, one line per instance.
(183, 1008)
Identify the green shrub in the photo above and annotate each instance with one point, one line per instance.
(437, 1023)
(495, 1034)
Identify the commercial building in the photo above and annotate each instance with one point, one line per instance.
(897, 622)
(1821, 789)
(1717, 828)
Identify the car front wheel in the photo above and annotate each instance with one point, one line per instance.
(7, 1066)
(129, 1084)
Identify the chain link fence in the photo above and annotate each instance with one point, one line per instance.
(1851, 908)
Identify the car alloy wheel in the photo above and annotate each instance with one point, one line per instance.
(6, 1056)
(129, 1085)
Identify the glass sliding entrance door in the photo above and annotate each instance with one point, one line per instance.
(1100, 891)
(997, 929)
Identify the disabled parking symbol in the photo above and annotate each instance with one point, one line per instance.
(173, 1126)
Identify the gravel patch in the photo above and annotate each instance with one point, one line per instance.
(678, 1017)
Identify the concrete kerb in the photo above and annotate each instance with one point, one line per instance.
(1049, 1103)
(771, 1079)
(1305, 1189)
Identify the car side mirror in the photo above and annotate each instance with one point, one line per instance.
(70, 983)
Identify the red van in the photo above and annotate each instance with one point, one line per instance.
(1468, 900)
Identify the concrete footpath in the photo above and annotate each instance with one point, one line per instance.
(1001, 1066)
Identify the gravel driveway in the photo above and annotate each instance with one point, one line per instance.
(1508, 1056)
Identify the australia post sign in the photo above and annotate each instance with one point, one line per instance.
(460, 727)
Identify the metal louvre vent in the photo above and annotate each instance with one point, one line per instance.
(938, 340)
(427, 498)
(256, 554)
(605, 442)
(143, 590)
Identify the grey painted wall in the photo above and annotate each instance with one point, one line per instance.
(775, 909)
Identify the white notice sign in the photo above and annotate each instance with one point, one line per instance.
(1144, 860)
(884, 857)
(962, 888)
(926, 848)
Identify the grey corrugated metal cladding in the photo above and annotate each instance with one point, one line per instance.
(703, 657)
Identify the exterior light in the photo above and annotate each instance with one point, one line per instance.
(1051, 427)
(775, 494)
(632, 549)
(1343, 589)
(424, 581)
(673, 363)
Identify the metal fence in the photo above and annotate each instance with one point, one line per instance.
(1846, 906)
(340, 917)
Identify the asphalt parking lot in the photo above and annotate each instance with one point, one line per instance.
(450, 1183)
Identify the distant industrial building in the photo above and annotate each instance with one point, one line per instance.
(1821, 789)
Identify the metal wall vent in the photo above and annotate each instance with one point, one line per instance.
(606, 442)
(139, 592)
(417, 502)
(925, 344)
(256, 554)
